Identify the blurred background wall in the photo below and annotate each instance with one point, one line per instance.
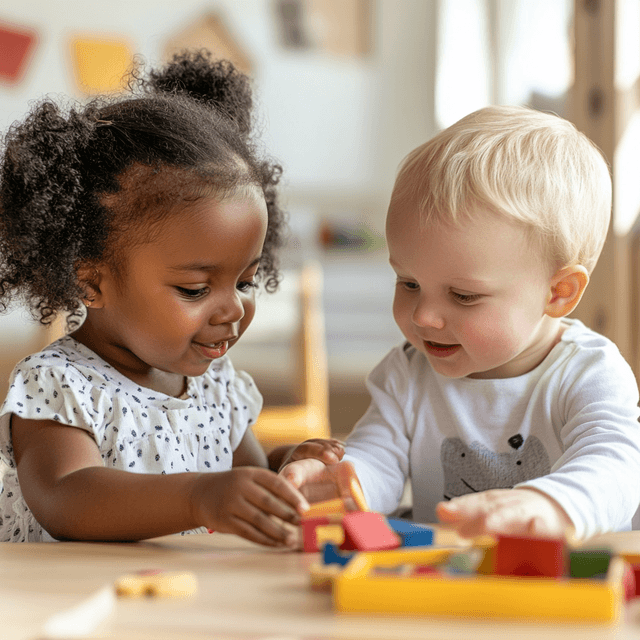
(344, 88)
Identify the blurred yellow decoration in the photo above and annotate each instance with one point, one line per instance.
(100, 64)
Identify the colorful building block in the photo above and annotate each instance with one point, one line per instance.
(524, 556)
(331, 555)
(320, 526)
(589, 563)
(368, 531)
(412, 533)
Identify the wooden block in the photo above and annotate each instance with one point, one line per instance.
(172, 584)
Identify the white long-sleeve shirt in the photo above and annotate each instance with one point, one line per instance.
(568, 428)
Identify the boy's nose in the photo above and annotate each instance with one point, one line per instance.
(228, 309)
(425, 315)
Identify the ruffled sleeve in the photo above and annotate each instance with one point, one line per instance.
(61, 394)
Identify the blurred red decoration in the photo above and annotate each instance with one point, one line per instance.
(16, 47)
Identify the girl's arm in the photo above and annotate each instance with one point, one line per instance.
(74, 496)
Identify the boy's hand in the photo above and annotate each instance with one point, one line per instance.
(315, 480)
(251, 502)
(509, 511)
(328, 451)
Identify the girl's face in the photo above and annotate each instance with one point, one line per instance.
(188, 294)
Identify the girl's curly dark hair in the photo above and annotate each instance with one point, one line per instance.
(74, 183)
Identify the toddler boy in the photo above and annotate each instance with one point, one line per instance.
(506, 415)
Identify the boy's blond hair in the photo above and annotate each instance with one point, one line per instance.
(523, 164)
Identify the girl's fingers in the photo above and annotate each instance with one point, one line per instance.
(247, 530)
(278, 486)
(258, 522)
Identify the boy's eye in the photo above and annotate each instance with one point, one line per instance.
(193, 294)
(409, 286)
(466, 298)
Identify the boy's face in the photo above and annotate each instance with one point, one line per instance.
(471, 298)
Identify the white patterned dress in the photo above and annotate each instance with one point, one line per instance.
(135, 429)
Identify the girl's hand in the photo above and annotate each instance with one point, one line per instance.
(328, 451)
(251, 502)
(509, 511)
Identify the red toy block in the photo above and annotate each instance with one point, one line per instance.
(629, 582)
(309, 530)
(522, 556)
(368, 531)
(636, 575)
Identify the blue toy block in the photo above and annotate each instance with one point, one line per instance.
(412, 533)
(331, 555)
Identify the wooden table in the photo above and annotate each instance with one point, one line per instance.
(245, 592)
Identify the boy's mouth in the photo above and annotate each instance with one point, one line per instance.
(440, 350)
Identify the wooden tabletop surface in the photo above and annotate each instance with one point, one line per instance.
(245, 592)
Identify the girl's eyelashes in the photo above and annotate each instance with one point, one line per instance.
(247, 285)
(193, 294)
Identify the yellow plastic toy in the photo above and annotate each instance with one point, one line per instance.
(386, 581)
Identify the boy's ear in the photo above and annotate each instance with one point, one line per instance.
(89, 280)
(567, 287)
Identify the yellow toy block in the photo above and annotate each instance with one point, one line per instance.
(329, 533)
(368, 585)
(173, 584)
(326, 508)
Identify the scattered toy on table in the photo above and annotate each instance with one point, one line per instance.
(503, 576)
(153, 582)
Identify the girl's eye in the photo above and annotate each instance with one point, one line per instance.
(193, 294)
(247, 285)
(466, 298)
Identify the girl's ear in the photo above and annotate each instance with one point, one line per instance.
(567, 287)
(89, 280)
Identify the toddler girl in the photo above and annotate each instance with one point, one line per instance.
(156, 213)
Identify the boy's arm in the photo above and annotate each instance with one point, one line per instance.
(595, 484)
(74, 496)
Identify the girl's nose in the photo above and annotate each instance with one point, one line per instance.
(228, 309)
(426, 315)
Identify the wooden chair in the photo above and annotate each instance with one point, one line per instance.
(290, 424)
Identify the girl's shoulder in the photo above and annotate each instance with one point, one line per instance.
(68, 355)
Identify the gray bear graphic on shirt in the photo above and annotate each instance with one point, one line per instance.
(471, 468)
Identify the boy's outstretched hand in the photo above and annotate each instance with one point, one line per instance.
(327, 451)
(509, 511)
